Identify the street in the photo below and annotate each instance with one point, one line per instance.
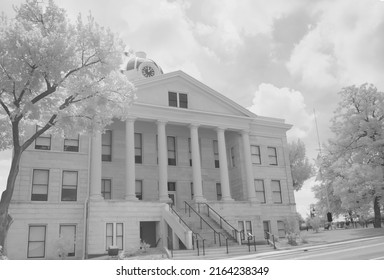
(361, 249)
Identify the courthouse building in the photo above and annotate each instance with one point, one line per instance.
(181, 142)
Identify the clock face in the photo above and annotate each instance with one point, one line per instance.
(148, 71)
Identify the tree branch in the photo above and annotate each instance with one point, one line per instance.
(5, 108)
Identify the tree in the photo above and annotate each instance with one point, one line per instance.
(355, 156)
(300, 167)
(57, 76)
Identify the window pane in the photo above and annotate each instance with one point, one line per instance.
(36, 249)
(36, 242)
(183, 100)
(138, 187)
(68, 234)
(119, 229)
(109, 229)
(70, 178)
(40, 177)
(40, 189)
(172, 99)
(275, 185)
(106, 138)
(248, 226)
(171, 143)
(43, 143)
(36, 233)
(106, 150)
(119, 242)
(68, 194)
(272, 155)
(171, 186)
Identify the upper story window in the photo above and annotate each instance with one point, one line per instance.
(255, 154)
(272, 156)
(106, 188)
(216, 153)
(43, 142)
(171, 144)
(40, 185)
(176, 99)
(260, 190)
(71, 144)
(69, 188)
(106, 148)
(138, 148)
(276, 191)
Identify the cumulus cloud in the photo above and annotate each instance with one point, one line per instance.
(343, 47)
(283, 103)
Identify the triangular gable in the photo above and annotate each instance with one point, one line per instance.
(154, 91)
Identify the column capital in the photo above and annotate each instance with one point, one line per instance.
(220, 128)
(162, 121)
(194, 125)
(130, 118)
(245, 132)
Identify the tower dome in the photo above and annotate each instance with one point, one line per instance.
(138, 66)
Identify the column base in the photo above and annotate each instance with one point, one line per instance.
(227, 199)
(96, 197)
(199, 199)
(253, 199)
(131, 198)
(165, 199)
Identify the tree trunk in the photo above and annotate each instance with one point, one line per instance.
(376, 209)
(5, 218)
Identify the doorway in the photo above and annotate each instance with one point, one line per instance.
(148, 233)
(266, 227)
(172, 192)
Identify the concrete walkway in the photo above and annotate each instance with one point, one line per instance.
(331, 236)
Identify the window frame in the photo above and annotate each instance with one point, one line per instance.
(178, 99)
(77, 148)
(264, 200)
(216, 156)
(272, 158)
(115, 236)
(274, 192)
(36, 241)
(183, 103)
(172, 161)
(103, 192)
(43, 136)
(139, 148)
(76, 186)
(172, 99)
(107, 157)
(33, 184)
(256, 155)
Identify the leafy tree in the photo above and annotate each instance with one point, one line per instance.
(300, 167)
(355, 157)
(57, 76)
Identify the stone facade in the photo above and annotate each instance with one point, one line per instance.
(210, 142)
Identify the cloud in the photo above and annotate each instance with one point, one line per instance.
(344, 47)
(283, 103)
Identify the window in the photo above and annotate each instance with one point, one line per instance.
(106, 188)
(260, 190)
(183, 100)
(276, 191)
(171, 144)
(139, 189)
(43, 142)
(40, 185)
(272, 156)
(106, 146)
(69, 187)
(171, 186)
(138, 148)
(219, 195)
(281, 228)
(192, 193)
(71, 144)
(255, 154)
(190, 151)
(177, 99)
(232, 153)
(114, 235)
(68, 235)
(36, 242)
(172, 99)
(216, 153)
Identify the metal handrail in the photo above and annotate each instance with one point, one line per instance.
(234, 230)
(193, 233)
(202, 220)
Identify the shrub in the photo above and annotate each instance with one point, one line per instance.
(2, 256)
(315, 223)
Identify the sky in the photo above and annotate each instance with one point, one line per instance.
(277, 58)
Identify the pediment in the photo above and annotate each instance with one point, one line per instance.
(154, 91)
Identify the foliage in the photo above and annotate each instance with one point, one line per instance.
(300, 167)
(291, 225)
(352, 165)
(2, 256)
(315, 223)
(55, 76)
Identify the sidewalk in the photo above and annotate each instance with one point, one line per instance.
(332, 236)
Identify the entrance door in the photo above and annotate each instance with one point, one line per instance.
(148, 233)
(267, 227)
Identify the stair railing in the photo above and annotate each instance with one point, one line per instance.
(189, 207)
(222, 220)
(195, 235)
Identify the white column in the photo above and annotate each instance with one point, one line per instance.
(224, 177)
(163, 160)
(248, 166)
(130, 176)
(196, 164)
(95, 168)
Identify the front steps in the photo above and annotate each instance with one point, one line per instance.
(217, 253)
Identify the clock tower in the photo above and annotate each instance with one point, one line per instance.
(137, 66)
